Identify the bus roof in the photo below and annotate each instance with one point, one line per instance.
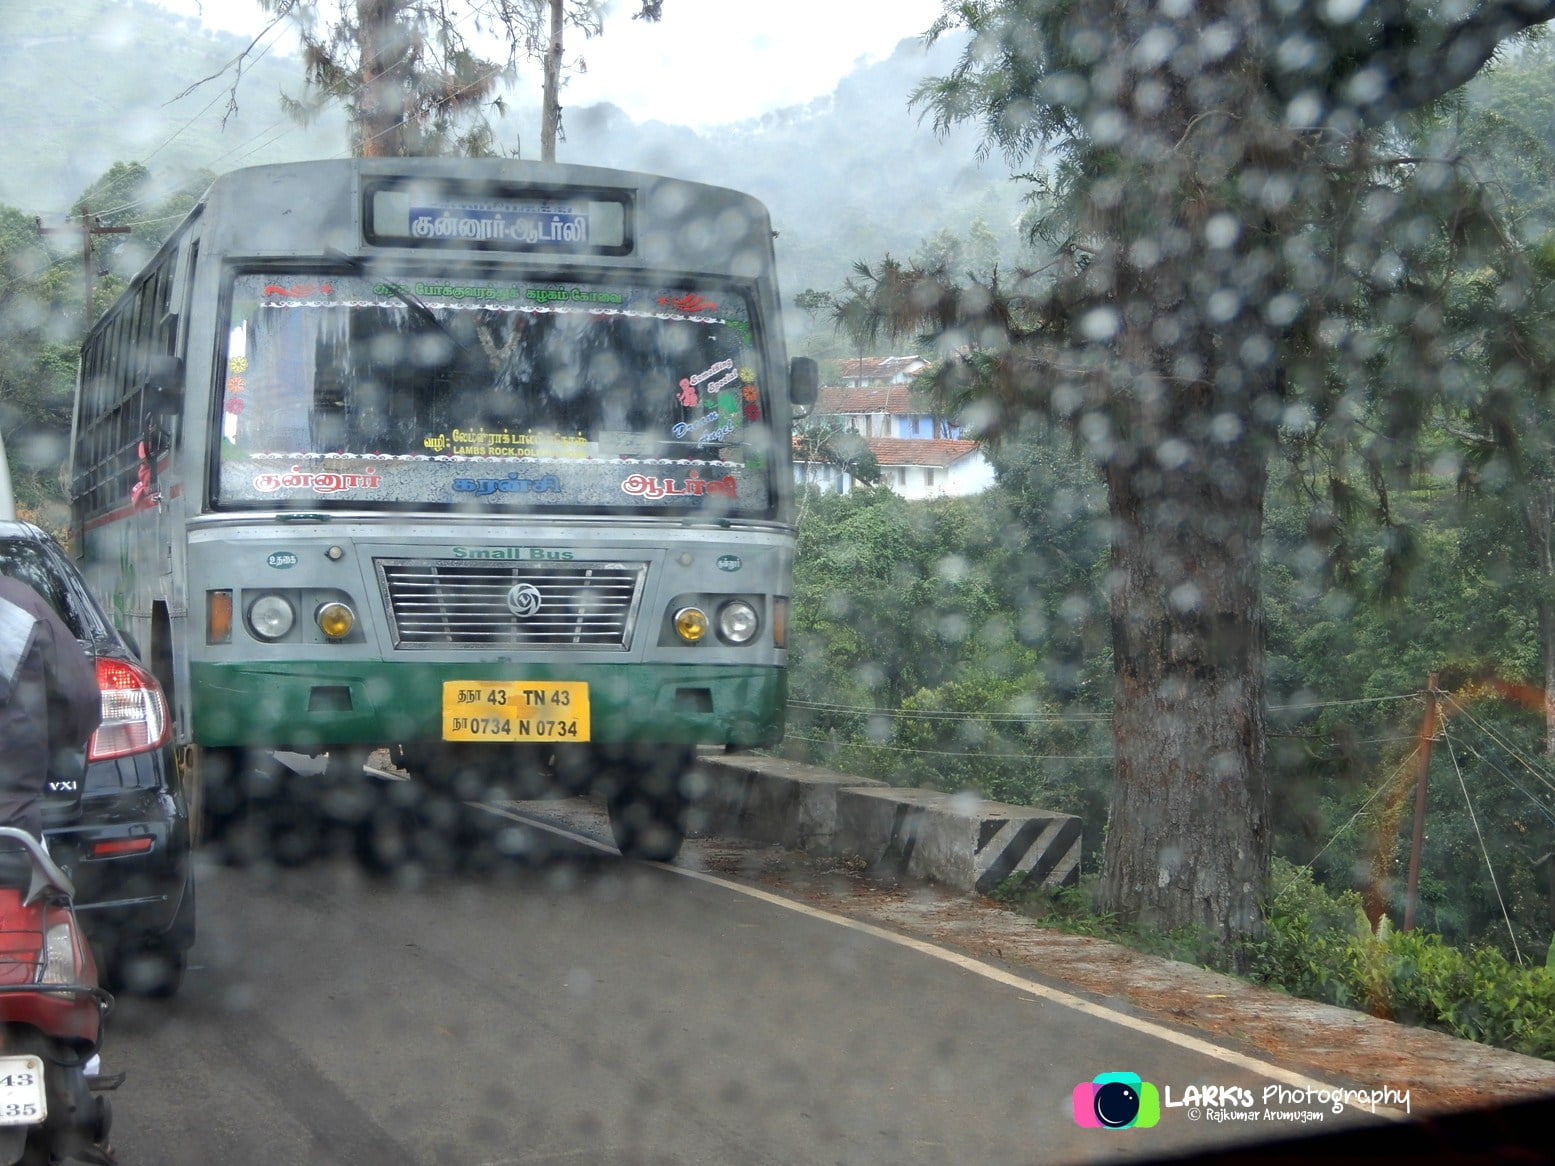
(308, 208)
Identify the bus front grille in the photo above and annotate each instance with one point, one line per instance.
(453, 603)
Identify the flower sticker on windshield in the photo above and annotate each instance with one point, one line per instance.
(690, 303)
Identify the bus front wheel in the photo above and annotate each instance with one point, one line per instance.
(213, 795)
(648, 803)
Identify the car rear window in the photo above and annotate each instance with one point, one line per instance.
(34, 566)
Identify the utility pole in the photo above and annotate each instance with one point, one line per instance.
(1427, 735)
(89, 228)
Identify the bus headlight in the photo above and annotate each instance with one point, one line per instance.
(691, 624)
(270, 617)
(737, 622)
(335, 619)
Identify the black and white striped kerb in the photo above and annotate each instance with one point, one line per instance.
(1041, 850)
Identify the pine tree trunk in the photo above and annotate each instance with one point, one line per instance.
(1188, 831)
(551, 114)
(380, 111)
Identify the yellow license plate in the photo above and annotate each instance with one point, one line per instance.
(515, 710)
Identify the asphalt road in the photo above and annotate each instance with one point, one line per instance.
(561, 1005)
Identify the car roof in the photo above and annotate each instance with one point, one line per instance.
(86, 615)
(13, 527)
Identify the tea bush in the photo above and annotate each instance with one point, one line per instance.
(1319, 945)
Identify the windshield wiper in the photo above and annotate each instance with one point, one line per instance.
(410, 299)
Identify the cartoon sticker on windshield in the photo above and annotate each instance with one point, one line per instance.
(691, 384)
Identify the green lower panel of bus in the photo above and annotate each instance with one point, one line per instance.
(309, 705)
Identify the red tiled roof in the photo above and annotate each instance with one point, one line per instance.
(892, 399)
(905, 451)
(880, 366)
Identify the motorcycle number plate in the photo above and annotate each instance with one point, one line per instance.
(515, 710)
(22, 1100)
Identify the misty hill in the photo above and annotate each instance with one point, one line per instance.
(849, 176)
(88, 83)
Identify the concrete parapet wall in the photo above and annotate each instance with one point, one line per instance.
(770, 799)
(958, 840)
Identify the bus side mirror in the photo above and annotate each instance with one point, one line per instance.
(164, 384)
(804, 380)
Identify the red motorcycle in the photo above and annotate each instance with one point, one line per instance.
(51, 1016)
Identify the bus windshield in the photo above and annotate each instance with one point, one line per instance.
(354, 389)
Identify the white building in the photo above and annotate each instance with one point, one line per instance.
(920, 454)
(873, 371)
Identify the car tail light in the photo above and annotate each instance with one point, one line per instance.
(118, 847)
(134, 711)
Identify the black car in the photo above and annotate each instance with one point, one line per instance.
(126, 842)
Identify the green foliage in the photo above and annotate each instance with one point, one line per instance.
(404, 73)
(1319, 946)
(42, 317)
(940, 644)
(829, 441)
(1073, 911)
(963, 644)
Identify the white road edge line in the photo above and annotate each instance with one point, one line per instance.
(977, 967)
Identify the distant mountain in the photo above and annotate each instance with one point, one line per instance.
(88, 83)
(849, 176)
(846, 177)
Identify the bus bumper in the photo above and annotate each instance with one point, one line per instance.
(309, 706)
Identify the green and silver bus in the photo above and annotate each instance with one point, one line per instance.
(486, 462)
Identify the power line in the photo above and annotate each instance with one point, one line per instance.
(1474, 818)
(181, 129)
(948, 753)
(1375, 794)
(1500, 740)
(1091, 717)
(949, 715)
(1325, 704)
(1537, 804)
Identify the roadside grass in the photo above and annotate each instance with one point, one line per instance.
(1319, 945)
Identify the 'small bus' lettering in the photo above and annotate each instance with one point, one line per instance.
(534, 229)
(511, 553)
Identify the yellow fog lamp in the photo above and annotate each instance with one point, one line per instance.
(691, 624)
(335, 619)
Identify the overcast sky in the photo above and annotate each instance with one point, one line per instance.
(708, 61)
